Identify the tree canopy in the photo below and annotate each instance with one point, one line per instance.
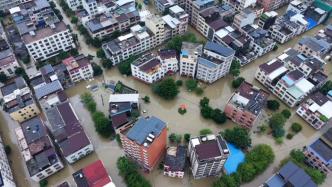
(238, 136)
(166, 89)
(273, 105)
(235, 68)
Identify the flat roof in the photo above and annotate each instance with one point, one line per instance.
(124, 98)
(44, 32)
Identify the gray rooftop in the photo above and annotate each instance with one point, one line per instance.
(145, 126)
(315, 44)
(219, 49)
(206, 62)
(296, 176)
(48, 89)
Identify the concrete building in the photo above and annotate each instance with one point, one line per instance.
(290, 175)
(79, 68)
(189, 55)
(175, 161)
(6, 175)
(319, 153)
(245, 105)
(151, 68)
(37, 149)
(121, 109)
(316, 110)
(241, 4)
(18, 101)
(311, 46)
(94, 174)
(6, 5)
(267, 19)
(269, 5)
(47, 42)
(297, 6)
(214, 63)
(145, 142)
(8, 62)
(208, 155)
(176, 22)
(245, 17)
(67, 132)
(164, 5)
(260, 40)
(74, 4)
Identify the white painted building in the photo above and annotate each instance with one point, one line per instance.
(79, 68)
(8, 62)
(6, 176)
(47, 42)
(176, 22)
(190, 53)
(74, 4)
(245, 17)
(215, 62)
(8, 4)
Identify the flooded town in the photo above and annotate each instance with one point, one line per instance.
(61, 104)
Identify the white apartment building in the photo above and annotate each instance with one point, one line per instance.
(91, 6)
(79, 68)
(139, 40)
(37, 149)
(74, 4)
(245, 17)
(8, 4)
(176, 22)
(8, 62)
(190, 52)
(151, 68)
(163, 5)
(47, 42)
(241, 4)
(6, 176)
(215, 62)
(316, 110)
(207, 155)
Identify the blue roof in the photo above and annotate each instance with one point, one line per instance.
(288, 80)
(206, 62)
(329, 93)
(204, 2)
(184, 53)
(219, 48)
(312, 23)
(275, 181)
(48, 89)
(145, 126)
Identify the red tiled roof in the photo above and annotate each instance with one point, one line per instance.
(96, 174)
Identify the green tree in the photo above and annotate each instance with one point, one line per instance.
(139, 6)
(191, 84)
(172, 138)
(205, 132)
(146, 99)
(238, 136)
(235, 68)
(102, 124)
(296, 127)
(206, 112)
(237, 82)
(219, 117)
(106, 63)
(186, 137)
(74, 20)
(273, 105)
(3, 77)
(8, 149)
(297, 155)
(326, 87)
(125, 68)
(179, 82)
(278, 132)
(100, 53)
(204, 102)
(96, 69)
(247, 171)
(232, 180)
(277, 120)
(166, 89)
(43, 183)
(26, 60)
(199, 91)
(317, 176)
(286, 113)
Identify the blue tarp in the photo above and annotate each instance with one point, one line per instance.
(312, 23)
(234, 160)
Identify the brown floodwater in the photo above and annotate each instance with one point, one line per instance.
(191, 122)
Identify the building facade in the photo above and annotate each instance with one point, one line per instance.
(79, 68)
(145, 142)
(6, 175)
(272, 4)
(175, 161)
(208, 155)
(190, 52)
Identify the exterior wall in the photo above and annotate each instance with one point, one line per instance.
(150, 78)
(260, 51)
(313, 159)
(46, 48)
(83, 73)
(8, 4)
(91, 7)
(79, 154)
(5, 171)
(306, 50)
(178, 174)
(310, 117)
(48, 172)
(25, 113)
(9, 69)
(73, 4)
(279, 36)
(272, 4)
(240, 116)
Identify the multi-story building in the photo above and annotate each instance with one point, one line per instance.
(8, 62)
(6, 176)
(176, 22)
(267, 19)
(319, 153)
(190, 52)
(18, 101)
(164, 5)
(316, 110)
(91, 6)
(175, 161)
(214, 62)
(246, 104)
(67, 132)
(260, 40)
(241, 4)
(297, 6)
(145, 142)
(208, 155)
(79, 68)
(311, 46)
(272, 4)
(37, 149)
(289, 175)
(244, 18)
(139, 40)
(94, 174)
(74, 4)
(47, 42)
(121, 109)
(151, 68)
(6, 5)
